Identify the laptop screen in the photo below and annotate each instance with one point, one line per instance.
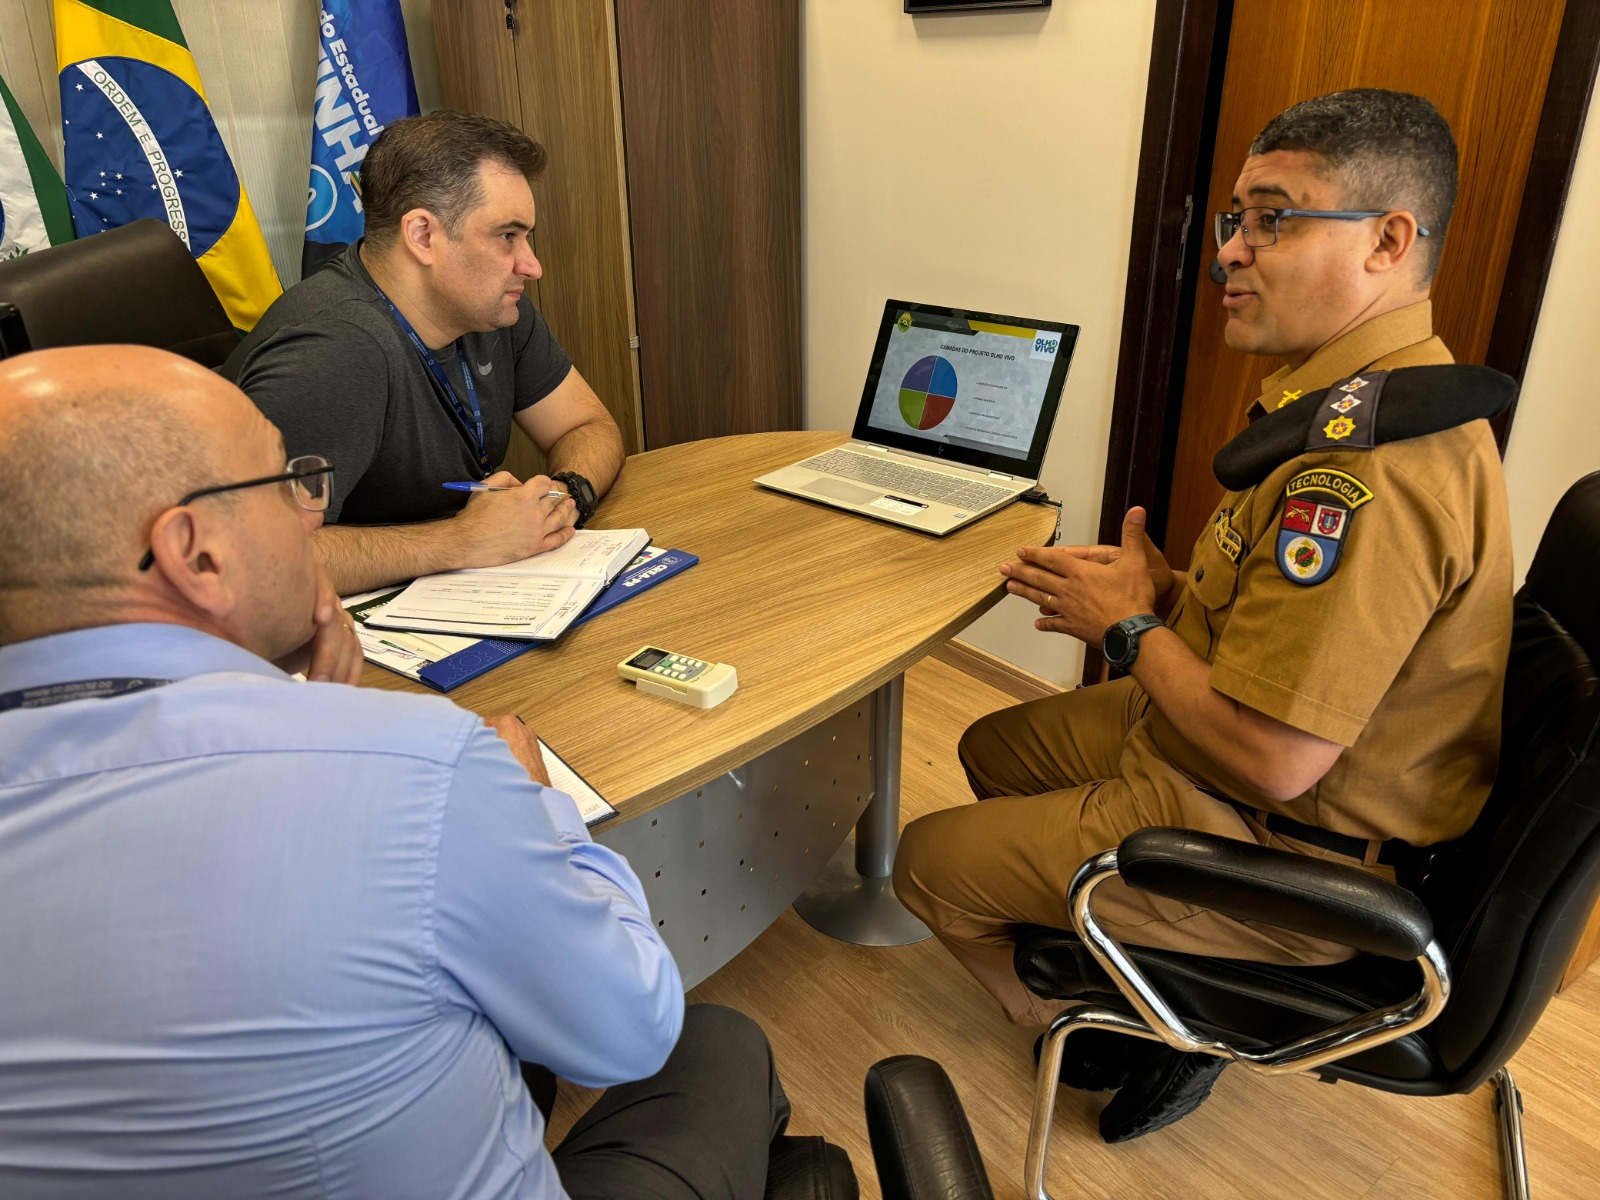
(975, 388)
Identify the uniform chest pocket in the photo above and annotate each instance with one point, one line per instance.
(1214, 571)
(1214, 583)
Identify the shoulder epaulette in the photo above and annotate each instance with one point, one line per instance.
(1415, 401)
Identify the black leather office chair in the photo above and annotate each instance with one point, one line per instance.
(921, 1143)
(1449, 981)
(809, 1168)
(135, 284)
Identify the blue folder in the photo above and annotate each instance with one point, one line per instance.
(467, 664)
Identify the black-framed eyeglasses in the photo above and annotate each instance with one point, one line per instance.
(1260, 223)
(309, 479)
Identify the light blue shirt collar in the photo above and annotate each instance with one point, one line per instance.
(152, 650)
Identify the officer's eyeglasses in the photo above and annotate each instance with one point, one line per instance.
(309, 479)
(1260, 224)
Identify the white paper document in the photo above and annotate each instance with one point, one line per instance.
(588, 554)
(591, 804)
(533, 599)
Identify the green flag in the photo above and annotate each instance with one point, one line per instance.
(34, 213)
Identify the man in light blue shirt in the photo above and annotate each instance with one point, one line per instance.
(270, 938)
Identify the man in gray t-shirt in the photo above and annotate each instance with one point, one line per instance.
(406, 359)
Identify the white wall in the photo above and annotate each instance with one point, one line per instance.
(981, 161)
(258, 62)
(1555, 439)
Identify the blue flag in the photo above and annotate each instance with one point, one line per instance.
(363, 83)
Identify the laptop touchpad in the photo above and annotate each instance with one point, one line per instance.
(838, 489)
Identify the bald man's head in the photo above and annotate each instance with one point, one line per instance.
(95, 443)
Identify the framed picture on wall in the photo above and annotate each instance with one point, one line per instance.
(932, 6)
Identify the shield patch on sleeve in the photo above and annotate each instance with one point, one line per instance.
(1318, 508)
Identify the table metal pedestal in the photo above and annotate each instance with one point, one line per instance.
(853, 899)
(723, 861)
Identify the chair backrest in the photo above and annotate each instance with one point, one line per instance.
(1511, 899)
(135, 284)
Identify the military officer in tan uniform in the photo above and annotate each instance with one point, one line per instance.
(1327, 676)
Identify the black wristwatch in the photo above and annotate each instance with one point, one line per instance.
(582, 493)
(1120, 645)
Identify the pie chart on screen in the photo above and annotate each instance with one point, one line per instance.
(928, 392)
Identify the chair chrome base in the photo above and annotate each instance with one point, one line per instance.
(1508, 1098)
(1048, 1080)
(1157, 1021)
(1508, 1104)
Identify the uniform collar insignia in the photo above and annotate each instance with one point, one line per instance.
(1392, 333)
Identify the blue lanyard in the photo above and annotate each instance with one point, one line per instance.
(81, 689)
(474, 422)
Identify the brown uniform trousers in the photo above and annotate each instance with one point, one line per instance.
(1398, 655)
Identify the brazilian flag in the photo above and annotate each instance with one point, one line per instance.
(34, 214)
(140, 142)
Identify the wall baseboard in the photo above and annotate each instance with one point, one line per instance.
(995, 671)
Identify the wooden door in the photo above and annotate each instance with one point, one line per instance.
(1483, 63)
(551, 69)
(566, 53)
(477, 59)
(711, 109)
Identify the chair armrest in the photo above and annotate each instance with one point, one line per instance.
(1327, 900)
(921, 1142)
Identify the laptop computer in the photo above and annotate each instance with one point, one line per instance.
(953, 423)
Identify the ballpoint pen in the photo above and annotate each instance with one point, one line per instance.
(485, 487)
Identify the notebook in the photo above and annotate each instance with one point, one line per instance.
(592, 806)
(534, 599)
(444, 661)
(953, 422)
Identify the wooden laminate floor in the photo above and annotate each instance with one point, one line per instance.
(832, 1010)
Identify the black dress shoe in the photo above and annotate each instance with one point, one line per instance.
(1096, 1060)
(1159, 1093)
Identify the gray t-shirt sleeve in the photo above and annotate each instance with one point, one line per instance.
(542, 364)
(316, 386)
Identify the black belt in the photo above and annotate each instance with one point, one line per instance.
(1392, 853)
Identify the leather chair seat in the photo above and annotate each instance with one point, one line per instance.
(1248, 1004)
(809, 1168)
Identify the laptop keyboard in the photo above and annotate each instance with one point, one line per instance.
(908, 481)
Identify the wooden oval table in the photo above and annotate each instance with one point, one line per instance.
(728, 814)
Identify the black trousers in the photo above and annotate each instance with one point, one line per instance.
(698, 1129)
